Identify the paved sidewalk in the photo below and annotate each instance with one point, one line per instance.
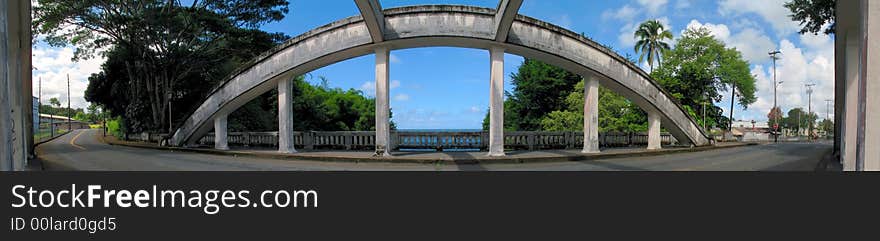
(449, 157)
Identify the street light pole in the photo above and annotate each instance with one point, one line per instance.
(773, 55)
(810, 110)
(69, 125)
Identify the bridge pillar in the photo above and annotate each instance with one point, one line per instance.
(496, 102)
(591, 115)
(220, 132)
(383, 127)
(653, 130)
(285, 116)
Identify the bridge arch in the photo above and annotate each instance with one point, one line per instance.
(379, 31)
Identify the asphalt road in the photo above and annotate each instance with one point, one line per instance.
(82, 150)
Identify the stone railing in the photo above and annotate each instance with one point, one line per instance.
(414, 140)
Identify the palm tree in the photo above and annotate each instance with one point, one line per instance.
(651, 34)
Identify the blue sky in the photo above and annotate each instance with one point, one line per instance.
(447, 88)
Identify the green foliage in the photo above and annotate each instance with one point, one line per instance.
(651, 35)
(563, 121)
(616, 113)
(158, 51)
(813, 15)
(798, 120)
(539, 89)
(775, 114)
(827, 125)
(315, 108)
(699, 69)
(114, 127)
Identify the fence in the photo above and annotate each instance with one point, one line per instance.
(366, 140)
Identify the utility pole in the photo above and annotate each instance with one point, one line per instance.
(39, 105)
(732, 98)
(69, 125)
(169, 113)
(773, 55)
(810, 109)
(828, 104)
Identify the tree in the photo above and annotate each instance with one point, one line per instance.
(828, 126)
(651, 35)
(774, 114)
(798, 120)
(157, 44)
(539, 88)
(699, 69)
(813, 15)
(54, 102)
(616, 113)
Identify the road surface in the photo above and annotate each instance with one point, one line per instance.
(83, 150)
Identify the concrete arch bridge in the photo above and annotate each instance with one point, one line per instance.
(378, 31)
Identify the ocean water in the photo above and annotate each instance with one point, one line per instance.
(440, 130)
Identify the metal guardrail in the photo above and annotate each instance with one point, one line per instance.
(365, 140)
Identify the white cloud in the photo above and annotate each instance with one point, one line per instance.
(797, 67)
(626, 38)
(771, 11)
(625, 13)
(394, 59)
(682, 4)
(53, 65)
(401, 97)
(720, 31)
(474, 109)
(653, 6)
(752, 43)
(564, 21)
(369, 87)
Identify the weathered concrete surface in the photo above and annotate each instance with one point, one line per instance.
(383, 104)
(496, 102)
(591, 115)
(220, 131)
(437, 25)
(857, 81)
(653, 130)
(506, 13)
(371, 11)
(285, 116)
(16, 121)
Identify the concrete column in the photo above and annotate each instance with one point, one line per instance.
(591, 115)
(653, 130)
(285, 116)
(383, 127)
(6, 124)
(871, 101)
(27, 100)
(496, 102)
(850, 108)
(220, 132)
(839, 90)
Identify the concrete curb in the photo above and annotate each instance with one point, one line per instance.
(51, 139)
(309, 156)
